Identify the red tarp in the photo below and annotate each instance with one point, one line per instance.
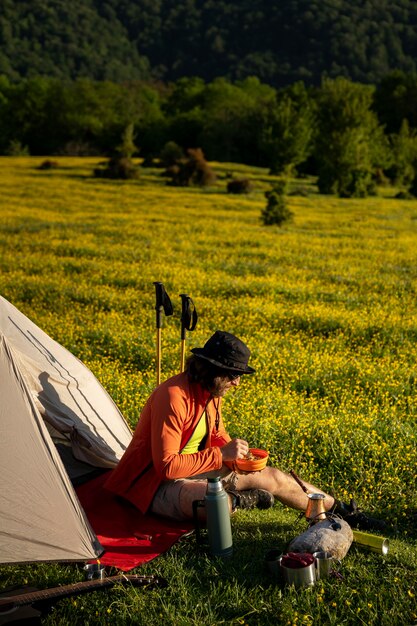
(128, 537)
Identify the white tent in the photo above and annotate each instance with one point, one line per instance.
(57, 426)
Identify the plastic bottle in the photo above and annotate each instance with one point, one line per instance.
(219, 528)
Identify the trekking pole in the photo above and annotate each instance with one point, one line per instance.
(163, 302)
(189, 319)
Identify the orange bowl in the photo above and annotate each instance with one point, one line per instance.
(253, 465)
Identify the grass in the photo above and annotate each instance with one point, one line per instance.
(327, 305)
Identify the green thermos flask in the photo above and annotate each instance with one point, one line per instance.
(219, 529)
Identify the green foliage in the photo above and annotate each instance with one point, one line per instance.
(184, 108)
(279, 43)
(118, 167)
(276, 211)
(67, 41)
(332, 130)
(170, 154)
(395, 98)
(127, 148)
(286, 134)
(404, 155)
(229, 114)
(350, 143)
(83, 116)
(15, 148)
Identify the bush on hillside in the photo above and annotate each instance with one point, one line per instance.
(191, 170)
(242, 185)
(121, 166)
(346, 183)
(48, 164)
(404, 195)
(118, 168)
(170, 154)
(357, 183)
(16, 148)
(276, 211)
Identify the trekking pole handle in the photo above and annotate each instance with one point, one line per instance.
(189, 315)
(162, 302)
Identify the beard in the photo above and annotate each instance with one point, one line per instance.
(220, 386)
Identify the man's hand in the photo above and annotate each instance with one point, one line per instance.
(235, 449)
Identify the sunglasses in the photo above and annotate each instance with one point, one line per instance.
(234, 375)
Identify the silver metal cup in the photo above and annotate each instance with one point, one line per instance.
(324, 562)
(94, 571)
(299, 576)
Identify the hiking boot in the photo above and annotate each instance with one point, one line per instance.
(351, 514)
(251, 498)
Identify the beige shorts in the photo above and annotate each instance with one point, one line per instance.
(166, 501)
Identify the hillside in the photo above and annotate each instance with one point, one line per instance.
(278, 42)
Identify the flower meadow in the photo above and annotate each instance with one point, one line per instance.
(326, 303)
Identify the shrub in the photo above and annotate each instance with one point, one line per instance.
(127, 147)
(120, 165)
(404, 195)
(356, 184)
(276, 211)
(346, 182)
(192, 170)
(243, 185)
(118, 168)
(170, 154)
(16, 148)
(48, 165)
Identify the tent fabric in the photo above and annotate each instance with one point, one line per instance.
(128, 537)
(48, 397)
(76, 408)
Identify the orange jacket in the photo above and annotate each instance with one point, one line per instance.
(167, 422)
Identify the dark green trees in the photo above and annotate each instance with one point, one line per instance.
(287, 130)
(350, 143)
(333, 131)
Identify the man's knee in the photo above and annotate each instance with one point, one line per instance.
(191, 491)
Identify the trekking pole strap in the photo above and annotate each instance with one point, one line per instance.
(163, 302)
(189, 314)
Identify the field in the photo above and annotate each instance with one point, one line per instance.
(327, 304)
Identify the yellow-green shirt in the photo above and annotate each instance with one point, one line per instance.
(196, 438)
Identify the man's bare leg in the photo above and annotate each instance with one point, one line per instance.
(282, 486)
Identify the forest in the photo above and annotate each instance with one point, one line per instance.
(301, 87)
(279, 42)
(350, 135)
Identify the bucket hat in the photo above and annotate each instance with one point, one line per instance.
(227, 352)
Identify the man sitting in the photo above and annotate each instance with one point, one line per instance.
(180, 441)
